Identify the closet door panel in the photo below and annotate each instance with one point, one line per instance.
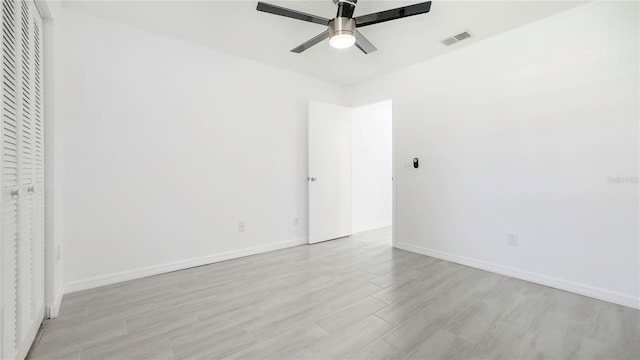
(38, 171)
(25, 177)
(22, 176)
(10, 189)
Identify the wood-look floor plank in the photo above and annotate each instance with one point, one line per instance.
(378, 350)
(412, 332)
(284, 344)
(350, 315)
(350, 339)
(442, 345)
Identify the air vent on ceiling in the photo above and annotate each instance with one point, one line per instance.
(456, 38)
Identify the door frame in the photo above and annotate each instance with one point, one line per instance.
(393, 169)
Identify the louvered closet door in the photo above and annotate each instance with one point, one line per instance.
(10, 188)
(22, 177)
(38, 170)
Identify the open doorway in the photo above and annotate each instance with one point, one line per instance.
(350, 171)
(372, 171)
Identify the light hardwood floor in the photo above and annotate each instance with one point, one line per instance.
(352, 298)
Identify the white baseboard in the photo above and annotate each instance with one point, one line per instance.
(177, 265)
(371, 227)
(582, 289)
(53, 310)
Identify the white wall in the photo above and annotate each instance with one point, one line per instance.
(523, 133)
(167, 146)
(54, 284)
(371, 151)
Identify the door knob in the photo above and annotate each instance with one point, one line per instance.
(31, 189)
(313, 178)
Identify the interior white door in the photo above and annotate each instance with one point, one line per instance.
(329, 175)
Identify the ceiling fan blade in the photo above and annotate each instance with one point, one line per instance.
(309, 43)
(364, 44)
(382, 16)
(278, 10)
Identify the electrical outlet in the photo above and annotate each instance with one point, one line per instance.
(295, 221)
(512, 239)
(241, 226)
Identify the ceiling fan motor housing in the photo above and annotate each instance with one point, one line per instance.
(342, 25)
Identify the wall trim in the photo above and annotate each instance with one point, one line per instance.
(372, 227)
(578, 288)
(52, 310)
(139, 273)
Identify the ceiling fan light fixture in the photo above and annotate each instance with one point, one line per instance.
(342, 41)
(342, 32)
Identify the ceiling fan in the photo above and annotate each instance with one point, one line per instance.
(342, 30)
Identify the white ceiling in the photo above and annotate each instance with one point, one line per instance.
(237, 28)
